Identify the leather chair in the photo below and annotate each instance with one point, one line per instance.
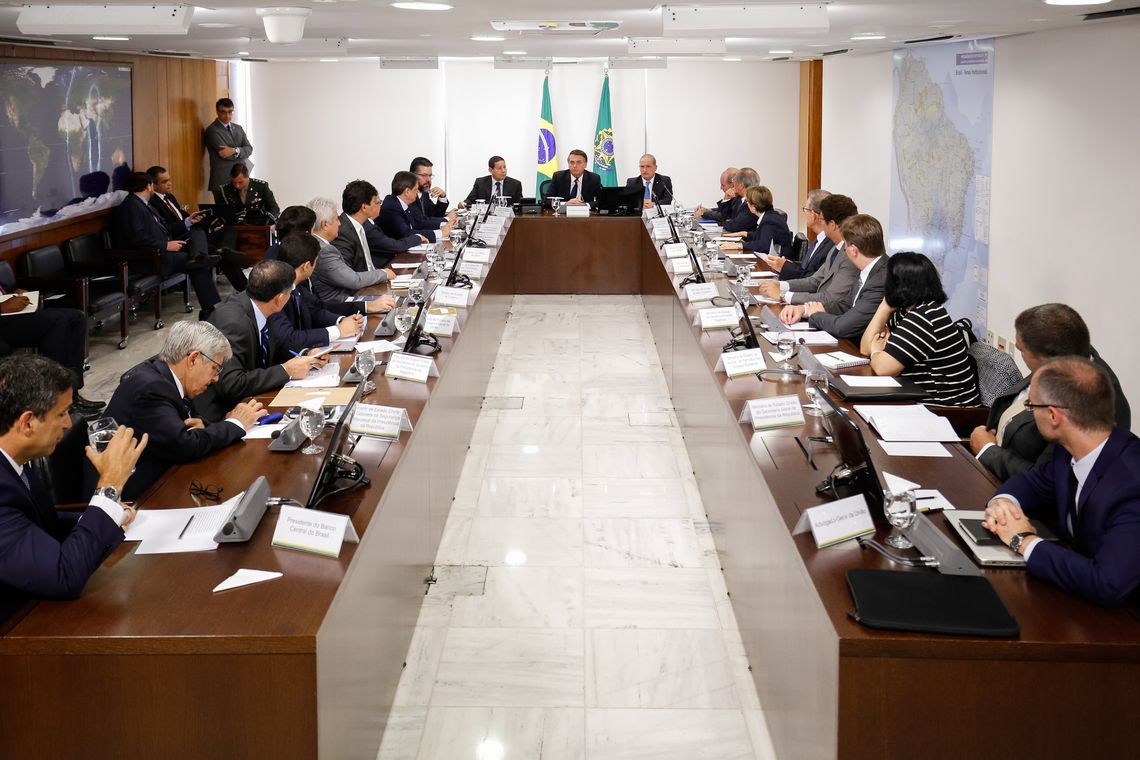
(98, 297)
(148, 263)
(85, 253)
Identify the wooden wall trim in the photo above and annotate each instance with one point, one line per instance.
(811, 131)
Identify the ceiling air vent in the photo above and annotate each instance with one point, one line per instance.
(931, 39)
(556, 28)
(1121, 13)
(837, 52)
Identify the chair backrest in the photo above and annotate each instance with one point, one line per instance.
(84, 249)
(7, 277)
(62, 470)
(798, 249)
(44, 262)
(997, 371)
(544, 188)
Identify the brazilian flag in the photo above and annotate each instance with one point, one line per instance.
(547, 147)
(604, 140)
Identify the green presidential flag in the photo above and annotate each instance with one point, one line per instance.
(604, 140)
(547, 147)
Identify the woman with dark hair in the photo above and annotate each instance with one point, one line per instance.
(771, 223)
(292, 219)
(913, 336)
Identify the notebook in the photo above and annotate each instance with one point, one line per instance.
(841, 360)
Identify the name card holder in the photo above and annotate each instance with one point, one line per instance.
(379, 421)
(402, 366)
(445, 296)
(836, 522)
(679, 266)
(503, 212)
(700, 291)
(576, 210)
(472, 269)
(774, 412)
(675, 250)
(309, 530)
(481, 256)
(490, 237)
(740, 363)
(441, 325)
(718, 318)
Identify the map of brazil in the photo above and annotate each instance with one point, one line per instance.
(940, 173)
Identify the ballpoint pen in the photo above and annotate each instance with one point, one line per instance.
(184, 527)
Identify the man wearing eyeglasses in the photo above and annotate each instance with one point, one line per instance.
(1090, 487)
(157, 396)
(429, 211)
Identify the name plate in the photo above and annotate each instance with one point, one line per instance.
(490, 237)
(309, 530)
(775, 412)
(577, 210)
(701, 291)
(836, 522)
(413, 367)
(739, 363)
(445, 296)
(441, 325)
(493, 223)
(379, 421)
(675, 250)
(472, 269)
(661, 229)
(718, 317)
(480, 255)
(679, 266)
(503, 212)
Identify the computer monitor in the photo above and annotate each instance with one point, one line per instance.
(619, 201)
(747, 330)
(416, 342)
(338, 473)
(856, 472)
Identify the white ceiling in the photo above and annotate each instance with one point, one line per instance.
(346, 29)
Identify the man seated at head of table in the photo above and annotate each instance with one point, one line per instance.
(336, 279)
(1010, 443)
(45, 553)
(157, 396)
(576, 185)
(819, 245)
(260, 362)
(362, 245)
(728, 205)
(495, 185)
(307, 322)
(397, 219)
(1089, 489)
(654, 187)
(771, 224)
(832, 283)
(912, 335)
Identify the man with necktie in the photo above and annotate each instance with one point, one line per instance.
(397, 212)
(156, 397)
(654, 187)
(45, 553)
(226, 144)
(495, 185)
(1090, 488)
(576, 185)
(819, 244)
(429, 209)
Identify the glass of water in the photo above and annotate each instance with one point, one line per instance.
(743, 276)
(555, 203)
(100, 432)
(416, 291)
(364, 363)
(901, 510)
(774, 248)
(817, 379)
(403, 320)
(312, 425)
(786, 342)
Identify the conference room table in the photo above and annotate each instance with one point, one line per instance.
(149, 662)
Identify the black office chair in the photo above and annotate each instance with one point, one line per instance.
(798, 249)
(544, 189)
(46, 269)
(62, 471)
(148, 263)
(85, 255)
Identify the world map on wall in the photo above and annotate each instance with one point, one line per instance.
(940, 173)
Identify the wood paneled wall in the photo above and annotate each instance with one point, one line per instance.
(173, 100)
(811, 131)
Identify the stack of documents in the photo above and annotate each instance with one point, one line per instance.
(33, 297)
(327, 376)
(168, 531)
(907, 423)
(806, 338)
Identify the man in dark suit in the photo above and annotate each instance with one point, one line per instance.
(260, 363)
(576, 185)
(335, 279)
(226, 144)
(45, 553)
(1010, 443)
(186, 227)
(654, 186)
(864, 247)
(396, 218)
(432, 201)
(157, 396)
(495, 185)
(363, 245)
(819, 245)
(728, 205)
(1090, 488)
(138, 225)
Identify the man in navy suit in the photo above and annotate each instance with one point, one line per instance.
(396, 218)
(45, 553)
(362, 244)
(495, 185)
(1090, 487)
(728, 205)
(654, 186)
(429, 210)
(138, 225)
(576, 185)
(819, 245)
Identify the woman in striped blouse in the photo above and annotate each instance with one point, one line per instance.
(912, 335)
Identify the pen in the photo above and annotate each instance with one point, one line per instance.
(184, 527)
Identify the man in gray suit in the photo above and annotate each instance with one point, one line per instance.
(335, 279)
(226, 143)
(832, 283)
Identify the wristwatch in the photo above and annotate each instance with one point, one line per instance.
(1016, 542)
(108, 492)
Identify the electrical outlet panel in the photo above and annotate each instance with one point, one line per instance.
(1003, 343)
(989, 337)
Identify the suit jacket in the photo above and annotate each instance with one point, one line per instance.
(662, 188)
(215, 136)
(350, 244)
(384, 248)
(432, 209)
(725, 210)
(484, 186)
(335, 280)
(148, 401)
(742, 220)
(301, 324)
(175, 222)
(563, 181)
(1022, 446)
(259, 206)
(398, 223)
(137, 225)
(773, 226)
(832, 284)
(1103, 565)
(45, 553)
(813, 260)
(242, 374)
(851, 323)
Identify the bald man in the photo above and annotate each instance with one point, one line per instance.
(654, 186)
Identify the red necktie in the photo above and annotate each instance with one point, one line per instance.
(177, 212)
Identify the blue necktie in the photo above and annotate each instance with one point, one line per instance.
(265, 345)
(648, 192)
(574, 190)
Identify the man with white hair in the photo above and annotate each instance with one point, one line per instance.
(728, 205)
(157, 396)
(333, 279)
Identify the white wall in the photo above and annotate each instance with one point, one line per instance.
(1066, 173)
(320, 125)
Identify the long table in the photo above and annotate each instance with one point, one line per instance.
(307, 665)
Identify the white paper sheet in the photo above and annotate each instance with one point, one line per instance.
(379, 346)
(260, 432)
(246, 577)
(170, 531)
(914, 449)
(870, 381)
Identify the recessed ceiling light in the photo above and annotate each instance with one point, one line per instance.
(330, 60)
(869, 36)
(730, 59)
(109, 38)
(417, 6)
(213, 25)
(514, 52)
(486, 38)
(1076, 2)
(780, 52)
(243, 52)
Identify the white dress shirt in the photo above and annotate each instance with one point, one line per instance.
(368, 265)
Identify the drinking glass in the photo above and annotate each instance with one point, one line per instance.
(416, 291)
(555, 203)
(817, 379)
(403, 320)
(900, 510)
(774, 248)
(743, 276)
(100, 432)
(715, 264)
(364, 363)
(786, 342)
(312, 424)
